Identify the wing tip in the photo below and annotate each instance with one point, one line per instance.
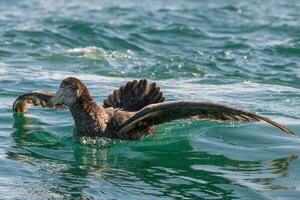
(291, 133)
(279, 126)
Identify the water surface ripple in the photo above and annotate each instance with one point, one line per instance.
(244, 54)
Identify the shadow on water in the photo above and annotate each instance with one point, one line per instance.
(130, 169)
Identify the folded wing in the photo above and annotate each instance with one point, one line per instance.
(37, 98)
(168, 111)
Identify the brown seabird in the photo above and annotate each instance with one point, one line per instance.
(130, 112)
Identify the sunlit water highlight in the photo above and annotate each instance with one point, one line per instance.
(244, 54)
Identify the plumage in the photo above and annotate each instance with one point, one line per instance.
(134, 96)
(130, 112)
(37, 98)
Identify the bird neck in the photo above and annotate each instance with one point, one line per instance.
(89, 118)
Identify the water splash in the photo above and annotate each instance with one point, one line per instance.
(96, 141)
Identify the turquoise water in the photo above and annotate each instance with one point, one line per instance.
(244, 54)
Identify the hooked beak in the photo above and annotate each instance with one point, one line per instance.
(57, 98)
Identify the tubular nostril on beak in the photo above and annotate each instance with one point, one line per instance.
(56, 99)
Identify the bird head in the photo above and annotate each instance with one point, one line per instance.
(71, 90)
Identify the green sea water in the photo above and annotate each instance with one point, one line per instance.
(241, 53)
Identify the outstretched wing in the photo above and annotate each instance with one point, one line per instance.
(134, 96)
(37, 98)
(165, 112)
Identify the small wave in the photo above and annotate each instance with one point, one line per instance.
(97, 53)
(3, 70)
(288, 47)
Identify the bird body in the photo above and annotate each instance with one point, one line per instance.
(130, 112)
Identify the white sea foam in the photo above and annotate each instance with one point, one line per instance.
(97, 53)
(3, 68)
(60, 75)
(96, 141)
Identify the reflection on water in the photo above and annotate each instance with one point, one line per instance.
(67, 168)
(242, 53)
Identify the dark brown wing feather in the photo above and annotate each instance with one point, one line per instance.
(134, 96)
(37, 98)
(168, 111)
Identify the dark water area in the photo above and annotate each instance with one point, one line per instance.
(242, 53)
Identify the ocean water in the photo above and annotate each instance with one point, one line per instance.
(241, 53)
